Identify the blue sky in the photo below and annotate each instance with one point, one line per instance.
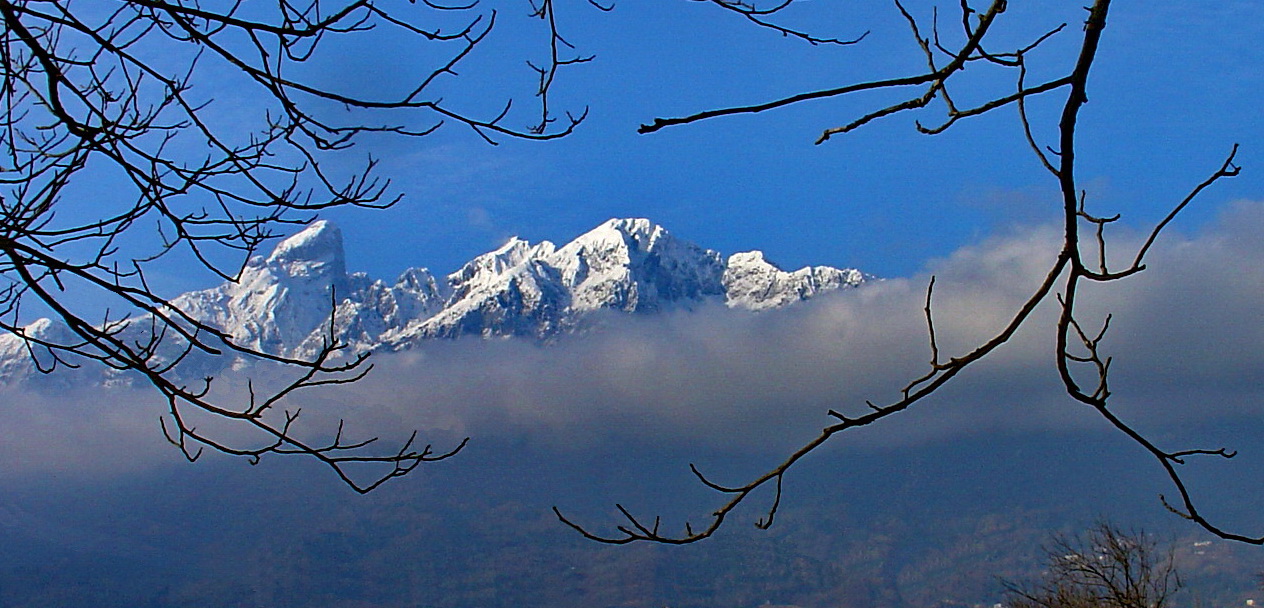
(1173, 89)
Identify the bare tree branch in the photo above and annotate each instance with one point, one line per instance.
(105, 93)
(1081, 361)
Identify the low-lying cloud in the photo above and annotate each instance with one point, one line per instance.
(1186, 336)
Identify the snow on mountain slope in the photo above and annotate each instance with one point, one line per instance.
(280, 300)
(15, 355)
(523, 300)
(281, 304)
(753, 283)
(375, 308)
(631, 265)
(485, 271)
(635, 265)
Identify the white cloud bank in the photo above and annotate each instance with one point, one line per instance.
(1187, 337)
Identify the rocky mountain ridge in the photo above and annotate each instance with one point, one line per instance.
(281, 303)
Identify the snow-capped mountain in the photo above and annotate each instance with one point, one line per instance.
(540, 290)
(282, 303)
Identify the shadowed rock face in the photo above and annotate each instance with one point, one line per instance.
(282, 303)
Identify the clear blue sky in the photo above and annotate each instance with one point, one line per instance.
(1173, 89)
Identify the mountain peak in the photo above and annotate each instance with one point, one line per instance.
(755, 257)
(319, 241)
(315, 250)
(630, 225)
(512, 253)
(637, 234)
(489, 265)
